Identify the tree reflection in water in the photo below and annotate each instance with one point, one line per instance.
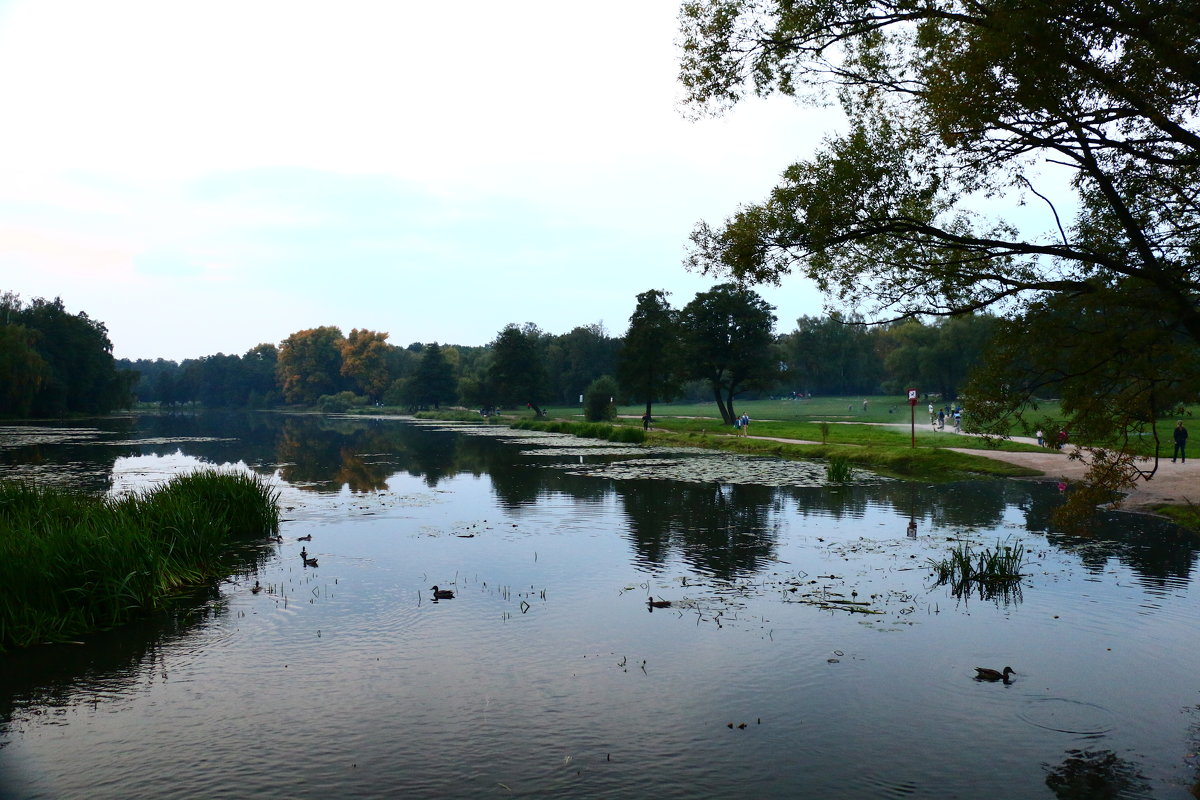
(1094, 775)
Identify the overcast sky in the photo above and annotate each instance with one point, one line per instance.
(206, 176)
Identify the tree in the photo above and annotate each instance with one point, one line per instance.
(938, 357)
(952, 105)
(309, 364)
(74, 371)
(517, 374)
(23, 370)
(837, 354)
(577, 358)
(727, 342)
(365, 361)
(648, 365)
(434, 378)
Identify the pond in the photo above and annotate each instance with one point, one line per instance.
(806, 650)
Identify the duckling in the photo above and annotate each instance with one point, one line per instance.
(256, 588)
(659, 603)
(442, 594)
(986, 674)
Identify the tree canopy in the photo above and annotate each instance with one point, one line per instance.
(727, 342)
(956, 107)
(55, 362)
(648, 364)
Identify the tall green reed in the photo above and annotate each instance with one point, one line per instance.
(72, 562)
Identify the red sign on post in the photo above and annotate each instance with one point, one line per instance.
(912, 408)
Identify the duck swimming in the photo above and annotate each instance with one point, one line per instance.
(256, 588)
(986, 674)
(442, 594)
(660, 603)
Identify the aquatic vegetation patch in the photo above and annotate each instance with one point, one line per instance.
(72, 562)
(990, 571)
(722, 468)
(13, 436)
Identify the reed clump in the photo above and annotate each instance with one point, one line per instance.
(838, 469)
(71, 562)
(989, 570)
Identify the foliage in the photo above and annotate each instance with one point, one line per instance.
(365, 361)
(339, 403)
(937, 357)
(57, 363)
(24, 369)
(648, 365)
(72, 563)
(726, 336)
(517, 375)
(587, 430)
(599, 401)
(952, 106)
(433, 380)
(577, 358)
(837, 354)
(310, 364)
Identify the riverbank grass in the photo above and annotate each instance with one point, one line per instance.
(71, 563)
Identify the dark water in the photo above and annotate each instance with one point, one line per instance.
(548, 676)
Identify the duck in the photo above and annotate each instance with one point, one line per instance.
(256, 588)
(987, 674)
(310, 562)
(304, 538)
(442, 594)
(660, 603)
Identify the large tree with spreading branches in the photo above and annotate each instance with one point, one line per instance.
(1083, 113)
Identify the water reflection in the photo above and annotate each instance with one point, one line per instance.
(539, 701)
(724, 531)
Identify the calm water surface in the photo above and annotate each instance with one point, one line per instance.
(549, 676)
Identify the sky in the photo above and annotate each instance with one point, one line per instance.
(206, 176)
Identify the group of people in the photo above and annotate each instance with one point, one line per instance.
(741, 425)
(1180, 435)
(938, 419)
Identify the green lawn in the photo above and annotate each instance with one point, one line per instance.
(798, 419)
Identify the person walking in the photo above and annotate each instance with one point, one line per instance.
(1180, 443)
(745, 424)
(1041, 437)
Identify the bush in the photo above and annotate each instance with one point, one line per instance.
(598, 405)
(339, 403)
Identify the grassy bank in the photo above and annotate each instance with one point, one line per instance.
(870, 446)
(71, 563)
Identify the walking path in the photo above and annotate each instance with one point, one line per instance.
(1175, 484)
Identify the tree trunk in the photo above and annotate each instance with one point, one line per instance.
(725, 414)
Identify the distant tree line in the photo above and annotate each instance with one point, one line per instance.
(54, 363)
(718, 347)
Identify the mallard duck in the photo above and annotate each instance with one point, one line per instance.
(986, 674)
(660, 603)
(442, 594)
(256, 588)
(304, 538)
(310, 562)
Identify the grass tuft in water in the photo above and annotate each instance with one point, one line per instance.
(71, 563)
(990, 570)
(838, 469)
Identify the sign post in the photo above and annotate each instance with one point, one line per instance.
(912, 407)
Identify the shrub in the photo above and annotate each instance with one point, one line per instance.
(598, 404)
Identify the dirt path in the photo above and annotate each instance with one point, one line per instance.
(1176, 484)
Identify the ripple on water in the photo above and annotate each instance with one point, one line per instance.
(1064, 715)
